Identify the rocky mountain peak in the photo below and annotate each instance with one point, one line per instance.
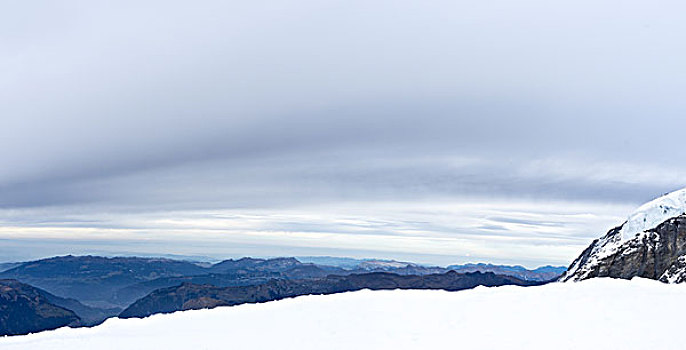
(650, 244)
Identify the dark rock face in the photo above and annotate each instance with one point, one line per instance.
(192, 296)
(25, 309)
(655, 254)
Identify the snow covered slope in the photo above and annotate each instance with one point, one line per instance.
(654, 213)
(648, 244)
(551, 316)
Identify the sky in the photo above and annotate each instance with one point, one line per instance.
(438, 132)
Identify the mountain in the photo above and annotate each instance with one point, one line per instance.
(371, 265)
(96, 288)
(25, 309)
(252, 264)
(93, 280)
(108, 283)
(239, 277)
(8, 265)
(192, 296)
(341, 262)
(90, 316)
(383, 265)
(544, 273)
(117, 282)
(651, 243)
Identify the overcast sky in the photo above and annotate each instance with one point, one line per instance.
(439, 132)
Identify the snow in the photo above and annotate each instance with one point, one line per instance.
(595, 314)
(653, 213)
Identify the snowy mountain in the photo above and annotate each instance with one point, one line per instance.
(554, 315)
(650, 244)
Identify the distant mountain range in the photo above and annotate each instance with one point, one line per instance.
(544, 273)
(94, 288)
(117, 282)
(93, 280)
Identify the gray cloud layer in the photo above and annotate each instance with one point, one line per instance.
(261, 104)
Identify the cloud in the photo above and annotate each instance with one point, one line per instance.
(430, 231)
(525, 222)
(168, 108)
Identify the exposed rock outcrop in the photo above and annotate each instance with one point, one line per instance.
(657, 253)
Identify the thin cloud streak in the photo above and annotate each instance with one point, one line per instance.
(455, 233)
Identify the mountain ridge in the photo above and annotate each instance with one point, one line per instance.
(111, 282)
(25, 309)
(191, 296)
